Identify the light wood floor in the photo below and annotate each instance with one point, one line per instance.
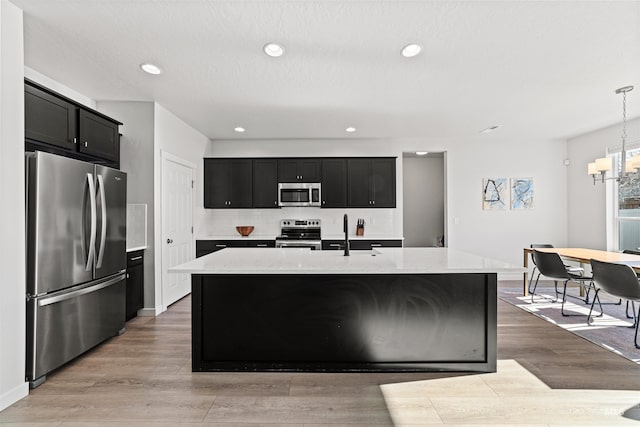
(546, 377)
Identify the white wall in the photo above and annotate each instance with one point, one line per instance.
(174, 136)
(136, 152)
(499, 235)
(423, 219)
(503, 234)
(587, 227)
(12, 226)
(56, 86)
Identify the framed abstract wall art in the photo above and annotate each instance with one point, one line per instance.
(495, 194)
(522, 195)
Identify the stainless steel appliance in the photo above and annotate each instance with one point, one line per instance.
(299, 233)
(299, 194)
(76, 259)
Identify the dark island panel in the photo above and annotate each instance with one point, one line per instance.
(344, 322)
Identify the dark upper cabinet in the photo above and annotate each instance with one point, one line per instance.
(265, 183)
(98, 136)
(216, 183)
(358, 183)
(227, 183)
(299, 170)
(334, 183)
(241, 181)
(49, 119)
(60, 125)
(371, 182)
(383, 182)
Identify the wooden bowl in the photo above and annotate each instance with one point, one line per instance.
(244, 230)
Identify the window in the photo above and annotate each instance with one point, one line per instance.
(627, 209)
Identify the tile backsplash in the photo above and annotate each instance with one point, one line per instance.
(136, 226)
(222, 222)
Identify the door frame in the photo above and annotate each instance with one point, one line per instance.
(166, 156)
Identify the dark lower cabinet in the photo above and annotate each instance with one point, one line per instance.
(359, 244)
(135, 283)
(205, 247)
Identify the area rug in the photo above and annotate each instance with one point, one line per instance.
(612, 331)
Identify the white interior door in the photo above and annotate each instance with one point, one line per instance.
(177, 225)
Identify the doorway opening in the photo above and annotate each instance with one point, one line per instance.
(424, 192)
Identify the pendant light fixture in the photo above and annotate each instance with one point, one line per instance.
(602, 165)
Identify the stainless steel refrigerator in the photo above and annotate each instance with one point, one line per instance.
(76, 259)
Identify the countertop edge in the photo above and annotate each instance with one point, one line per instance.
(327, 237)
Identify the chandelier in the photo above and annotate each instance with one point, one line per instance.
(602, 165)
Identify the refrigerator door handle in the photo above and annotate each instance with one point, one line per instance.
(103, 234)
(77, 293)
(92, 240)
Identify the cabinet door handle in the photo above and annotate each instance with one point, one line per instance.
(374, 202)
(127, 275)
(376, 245)
(75, 140)
(334, 245)
(169, 241)
(221, 246)
(262, 246)
(86, 144)
(135, 258)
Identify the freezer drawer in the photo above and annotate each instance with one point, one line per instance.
(64, 325)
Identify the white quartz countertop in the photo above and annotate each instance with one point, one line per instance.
(377, 261)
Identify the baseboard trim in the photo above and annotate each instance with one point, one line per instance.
(510, 276)
(147, 312)
(12, 396)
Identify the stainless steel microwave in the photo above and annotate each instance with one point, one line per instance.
(299, 194)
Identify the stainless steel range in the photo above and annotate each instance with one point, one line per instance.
(299, 233)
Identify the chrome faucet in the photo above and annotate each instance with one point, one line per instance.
(346, 235)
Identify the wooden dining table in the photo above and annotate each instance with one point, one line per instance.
(582, 256)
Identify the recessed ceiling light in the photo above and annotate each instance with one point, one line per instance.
(490, 129)
(273, 49)
(411, 50)
(350, 129)
(422, 153)
(239, 129)
(151, 68)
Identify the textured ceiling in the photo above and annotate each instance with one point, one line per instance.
(540, 69)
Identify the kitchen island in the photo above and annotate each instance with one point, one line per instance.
(389, 309)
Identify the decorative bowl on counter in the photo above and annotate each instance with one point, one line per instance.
(244, 230)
